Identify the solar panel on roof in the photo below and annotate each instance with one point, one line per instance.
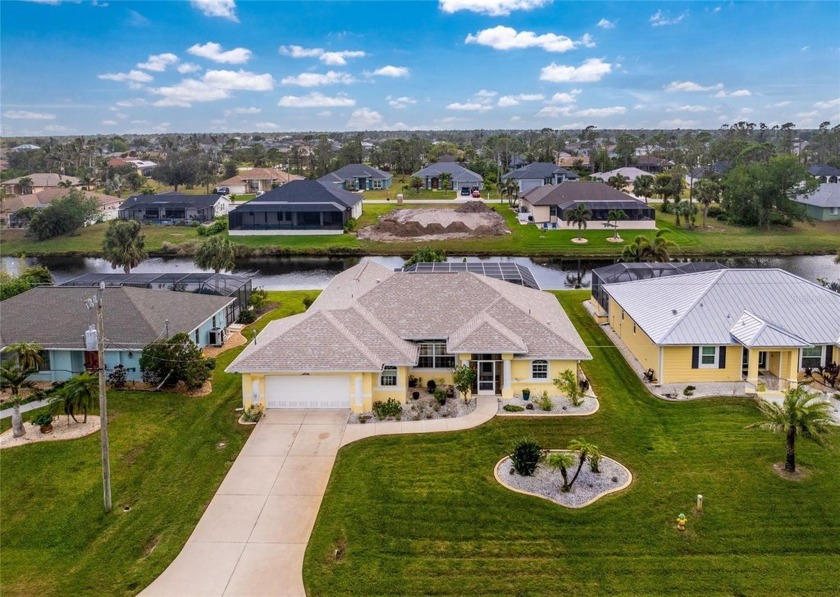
(508, 272)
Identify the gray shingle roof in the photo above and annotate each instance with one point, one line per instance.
(171, 200)
(56, 316)
(459, 173)
(538, 170)
(301, 192)
(351, 171)
(823, 170)
(827, 195)
(370, 316)
(567, 194)
(703, 308)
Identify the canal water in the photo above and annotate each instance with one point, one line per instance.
(301, 273)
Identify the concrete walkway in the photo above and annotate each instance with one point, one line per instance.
(7, 412)
(253, 535)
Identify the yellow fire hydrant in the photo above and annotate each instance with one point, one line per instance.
(681, 520)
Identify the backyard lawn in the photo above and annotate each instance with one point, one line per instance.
(423, 514)
(719, 240)
(168, 456)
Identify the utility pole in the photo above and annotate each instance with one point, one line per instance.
(103, 399)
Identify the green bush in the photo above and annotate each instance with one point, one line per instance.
(389, 408)
(350, 225)
(247, 316)
(513, 408)
(253, 413)
(440, 396)
(307, 301)
(259, 297)
(714, 212)
(220, 224)
(175, 359)
(42, 419)
(117, 377)
(526, 456)
(689, 391)
(64, 215)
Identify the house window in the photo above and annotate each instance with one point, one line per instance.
(433, 355)
(811, 357)
(388, 377)
(539, 370)
(622, 315)
(377, 184)
(708, 357)
(196, 336)
(634, 329)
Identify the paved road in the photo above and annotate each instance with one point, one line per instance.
(253, 535)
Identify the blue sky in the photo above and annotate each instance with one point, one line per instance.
(110, 66)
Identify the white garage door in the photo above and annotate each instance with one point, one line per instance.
(307, 391)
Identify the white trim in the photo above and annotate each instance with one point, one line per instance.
(547, 370)
(713, 365)
(822, 355)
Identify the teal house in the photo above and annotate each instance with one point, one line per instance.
(824, 203)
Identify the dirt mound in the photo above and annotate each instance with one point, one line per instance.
(473, 207)
(471, 219)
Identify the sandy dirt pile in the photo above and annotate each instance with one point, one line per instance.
(471, 219)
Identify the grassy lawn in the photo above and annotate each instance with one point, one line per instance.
(718, 240)
(167, 460)
(397, 184)
(423, 515)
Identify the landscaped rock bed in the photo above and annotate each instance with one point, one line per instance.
(64, 428)
(546, 483)
(561, 406)
(425, 408)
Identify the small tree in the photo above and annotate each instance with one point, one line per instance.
(799, 415)
(166, 362)
(526, 456)
(124, 245)
(416, 183)
(585, 451)
(464, 377)
(216, 253)
(579, 216)
(561, 461)
(77, 395)
(426, 255)
(567, 383)
(614, 215)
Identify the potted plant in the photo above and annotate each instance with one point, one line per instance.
(526, 394)
(412, 381)
(44, 421)
(431, 385)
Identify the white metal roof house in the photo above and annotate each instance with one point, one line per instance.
(727, 325)
(372, 328)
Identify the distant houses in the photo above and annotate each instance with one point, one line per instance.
(174, 208)
(538, 174)
(38, 181)
(299, 207)
(434, 177)
(358, 177)
(257, 180)
(631, 173)
(824, 203)
(825, 173)
(17, 216)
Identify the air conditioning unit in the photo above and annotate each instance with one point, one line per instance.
(217, 337)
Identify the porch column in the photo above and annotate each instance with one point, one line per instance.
(792, 369)
(357, 394)
(752, 367)
(507, 390)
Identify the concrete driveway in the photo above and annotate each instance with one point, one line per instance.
(252, 537)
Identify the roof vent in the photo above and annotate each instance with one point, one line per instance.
(674, 311)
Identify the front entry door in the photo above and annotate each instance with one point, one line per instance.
(487, 377)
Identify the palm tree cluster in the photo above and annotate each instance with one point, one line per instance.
(124, 245)
(645, 249)
(15, 374)
(563, 461)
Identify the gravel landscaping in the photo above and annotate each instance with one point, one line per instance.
(62, 430)
(561, 406)
(424, 408)
(546, 483)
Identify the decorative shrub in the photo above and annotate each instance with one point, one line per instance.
(440, 396)
(253, 413)
(389, 408)
(543, 401)
(42, 419)
(526, 456)
(689, 391)
(117, 377)
(431, 385)
(513, 408)
(219, 225)
(175, 359)
(350, 225)
(247, 316)
(307, 301)
(567, 383)
(259, 297)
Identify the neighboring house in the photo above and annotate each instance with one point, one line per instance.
(25, 147)
(653, 165)
(358, 177)
(263, 179)
(566, 160)
(462, 180)
(299, 207)
(168, 207)
(538, 174)
(40, 182)
(824, 203)
(713, 170)
(630, 173)
(549, 205)
(57, 318)
(108, 205)
(825, 173)
(729, 325)
(373, 328)
(144, 167)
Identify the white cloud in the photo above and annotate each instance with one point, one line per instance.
(213, 51)
(592, 69)
(214, 85)
(333, 58)
(390, 71)
(158, 62)
(555, 111)
(400, 102)
(807, 114)
(469, 107)
(691, 86)
(188, 67)
(132, 103)
(804, 48)
(738, 93)
(364, 118)
(486, 93)
(828, 104)
(317, 79)
(565, 98)
(110, 122)
(658, 19)
(494, 8)
(513, 100)
(225, 9)
(135, 19)
(782, 104)
(689, 108)
(251, 110)
(598, 112)
(133, 76)
(57, 128)
(267, 125)
(316, 100)
(678, 123)
(606, 24)
(26, 115)
(508, 38)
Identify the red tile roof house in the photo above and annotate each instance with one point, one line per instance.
(257, 180)
(40, 182)
(108, 205)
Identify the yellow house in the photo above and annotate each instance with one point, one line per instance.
(374, 334)
(762, 326)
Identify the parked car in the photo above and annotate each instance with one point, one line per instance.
(222, 191)
(476, 194)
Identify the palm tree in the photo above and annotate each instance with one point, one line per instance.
(614, 215)
(637, 250)
(686, 210)
(708, 192)
(660, 247)
(643, 186)
(77, 395)
(584, 450)
(124, 245)
(512, 191)
(25, 185)
(799, 415)
(618, 182)
(217, 253)
(15, 375)
(561, 461)
(579, 216)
